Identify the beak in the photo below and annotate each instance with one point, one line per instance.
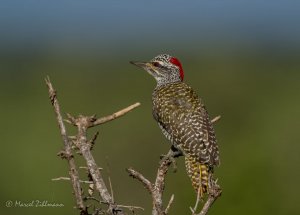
(143, 65)
(146, 66)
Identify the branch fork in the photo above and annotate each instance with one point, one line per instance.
(85, 146)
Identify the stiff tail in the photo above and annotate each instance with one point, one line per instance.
(199, 175)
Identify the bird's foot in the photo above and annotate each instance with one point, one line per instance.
(171, 157)
(213, 188)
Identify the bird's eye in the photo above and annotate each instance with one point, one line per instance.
(156, 64)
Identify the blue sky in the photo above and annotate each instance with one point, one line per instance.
(148, 22)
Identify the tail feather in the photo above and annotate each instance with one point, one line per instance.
(199, 175)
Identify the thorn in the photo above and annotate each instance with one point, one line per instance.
(84, 167)
(68, 121)
(93, 118)
(72, 137)
(217, 118)
(169, 204)
(93, 140)
(71, 119)
(64, 155)
(192, 210)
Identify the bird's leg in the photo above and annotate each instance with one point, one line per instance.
(176, 152)
(172, 154)
(213, 187)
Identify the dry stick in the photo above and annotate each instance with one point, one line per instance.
(115, 115)
(67, 153)
(160, 184)
(215, 119)
(212, 197)
(156, 190)
(137, 175)
(83, 123)
(109, 180)
(68, 179)
(131, 207)
(84, 167)
(169, 204)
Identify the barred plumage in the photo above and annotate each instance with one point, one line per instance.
(184, 120)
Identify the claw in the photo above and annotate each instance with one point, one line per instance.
(170, 156)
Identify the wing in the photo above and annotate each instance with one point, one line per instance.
(184, 118)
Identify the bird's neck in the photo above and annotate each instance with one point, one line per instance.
(162, 86)
(164, 82)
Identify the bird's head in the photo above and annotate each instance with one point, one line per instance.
(164, 68)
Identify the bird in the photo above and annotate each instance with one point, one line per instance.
(183, 119)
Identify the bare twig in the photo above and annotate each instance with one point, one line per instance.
(157, 188)
(109, 179)
(84, 146)
(67, 148)
(115, 115)
(215, 193)
(68, 179)
(83, 123)
(131, 207)
(216, 119)
(84, 167)
(169, 204)
(137, 175)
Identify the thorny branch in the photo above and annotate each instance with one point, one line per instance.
(156, 189)
(67, 153)
(68, 179)
(212, 197)
(84, 145)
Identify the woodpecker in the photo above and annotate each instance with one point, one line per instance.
(183, 119)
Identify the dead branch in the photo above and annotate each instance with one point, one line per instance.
(68, 179)
(156, 189)
(131, 208)
(215, 193)
(81, 143)
(115, 115)
(84, 145)
(137, 175)
(67, 153)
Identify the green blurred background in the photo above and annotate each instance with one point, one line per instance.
(241, 57)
